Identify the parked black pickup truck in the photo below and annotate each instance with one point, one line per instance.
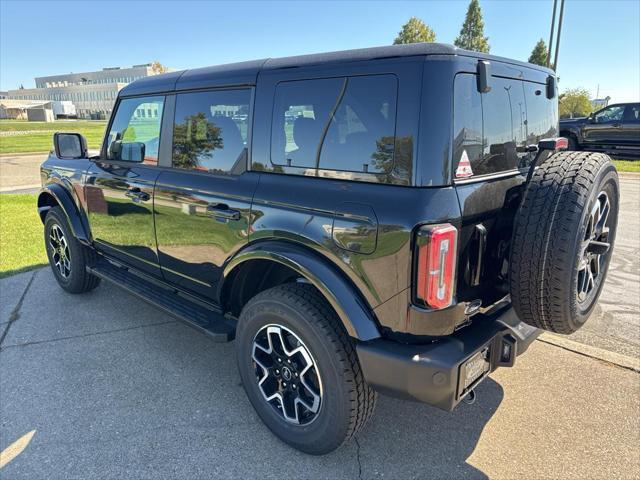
(614, 129)
(397, 219)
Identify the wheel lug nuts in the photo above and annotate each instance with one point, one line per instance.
(278, 372)
(294, 386)
(296, 374)
(284, 384)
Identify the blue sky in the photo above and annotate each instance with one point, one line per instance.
(600, 39)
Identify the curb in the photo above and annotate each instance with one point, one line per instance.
(624, 361)
(23, 154)
(629, 175)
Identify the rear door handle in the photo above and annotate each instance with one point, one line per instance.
(137, 195)
(222, 210)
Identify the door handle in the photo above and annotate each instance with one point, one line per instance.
(222, 210)
(616, 125)
(137, 195)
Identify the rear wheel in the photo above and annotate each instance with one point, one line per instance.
(563, 239)
(68, 257)
(300, 369)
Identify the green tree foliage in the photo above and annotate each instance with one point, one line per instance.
(539, 55)
(574, 102)
(157, 68)
(415, 31)
(472, 32)
(194, 142)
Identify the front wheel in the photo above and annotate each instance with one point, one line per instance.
(300, 369)
(67, 256)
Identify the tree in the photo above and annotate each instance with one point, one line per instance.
(539, 55)
(574, 102)
(472, 32)
(415, 31)
(157, 67)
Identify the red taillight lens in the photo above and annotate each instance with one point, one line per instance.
(435, 273)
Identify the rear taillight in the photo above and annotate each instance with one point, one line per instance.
(436, 264)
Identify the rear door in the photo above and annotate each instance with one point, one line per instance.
(491, 131)
(119, 185)
(203, 200)
(631, 125)
(606, 127)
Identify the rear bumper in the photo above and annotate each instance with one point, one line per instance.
(432, 373)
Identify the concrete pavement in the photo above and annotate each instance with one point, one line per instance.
(117, 389)
(20, 172)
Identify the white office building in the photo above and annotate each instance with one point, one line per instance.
(92, 93)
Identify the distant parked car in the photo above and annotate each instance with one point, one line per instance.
(614, 129)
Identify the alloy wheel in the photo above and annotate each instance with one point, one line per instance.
(594, 248)
(287, 374)
(60, 251)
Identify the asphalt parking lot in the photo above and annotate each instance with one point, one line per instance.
(114, 388)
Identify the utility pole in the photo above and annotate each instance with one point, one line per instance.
(554, 65)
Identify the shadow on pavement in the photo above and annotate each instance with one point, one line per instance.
(422, 441)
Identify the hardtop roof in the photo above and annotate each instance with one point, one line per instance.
(246, 73)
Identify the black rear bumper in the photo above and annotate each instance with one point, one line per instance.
(431, 373)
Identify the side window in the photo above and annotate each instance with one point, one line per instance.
(632, 114)
(361, 133)
(301, 111)
(210, 131)
(339, 124)
(504, 127)
(610, 114)
(135, 130)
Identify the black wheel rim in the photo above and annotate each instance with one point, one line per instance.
(60, 256)
(595, 248)
(287, 374)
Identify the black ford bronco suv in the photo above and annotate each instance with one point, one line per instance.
(397, 220)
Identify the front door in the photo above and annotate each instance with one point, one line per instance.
(203, 202)
(119, 185)
(605, 127)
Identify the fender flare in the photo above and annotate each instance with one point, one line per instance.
(354, 313)
(63, 198)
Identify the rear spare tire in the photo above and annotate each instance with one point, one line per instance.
(562, 240)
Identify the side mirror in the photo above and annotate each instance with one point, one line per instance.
(592, 118)
(127, 151)
(70, 146)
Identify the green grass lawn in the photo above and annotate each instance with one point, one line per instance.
(40, 138)
(21, 237)
(628, 165)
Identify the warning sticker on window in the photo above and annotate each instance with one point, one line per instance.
(464, 166)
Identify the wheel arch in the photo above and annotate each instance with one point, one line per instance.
(282, 261)
(55, 195)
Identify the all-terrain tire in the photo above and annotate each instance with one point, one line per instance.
(75, 279)
(551, 257)
(346, 403)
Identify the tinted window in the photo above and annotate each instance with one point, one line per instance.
(610, 114)
(136, 123)
(467, 121)
(632, 113)
(361, 134)
(210, 131)
(542, 116)
(343, 124)
(494, 128)
(301, 110)
(504, 129)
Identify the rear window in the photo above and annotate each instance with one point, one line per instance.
(493, 129)
(340, 124)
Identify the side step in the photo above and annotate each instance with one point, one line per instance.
(195, 314)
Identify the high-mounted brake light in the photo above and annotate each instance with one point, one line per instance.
(436, 264)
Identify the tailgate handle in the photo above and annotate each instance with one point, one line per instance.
(481, 231)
